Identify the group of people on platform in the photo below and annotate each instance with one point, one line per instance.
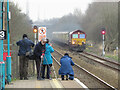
(42, 53)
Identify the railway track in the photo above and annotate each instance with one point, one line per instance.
(105, 62)
(85, 76)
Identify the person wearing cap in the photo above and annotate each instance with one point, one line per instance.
(47, 61)
(24, 46)
(66, 67)
(38, 53)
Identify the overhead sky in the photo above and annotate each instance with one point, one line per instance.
(47, 9)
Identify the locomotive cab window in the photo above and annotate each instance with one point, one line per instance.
(82, 35)
(75, 35)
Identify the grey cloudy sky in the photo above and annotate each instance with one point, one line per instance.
(47, 9)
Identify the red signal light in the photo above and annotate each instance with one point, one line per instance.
(103, 32)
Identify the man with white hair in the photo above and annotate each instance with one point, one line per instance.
(39, 52)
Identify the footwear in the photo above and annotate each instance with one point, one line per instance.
(71, 78)
(21, 78)
(6, 82)
(25, 78)
(50, 78)
(40, 78)
(43, 77)
(66, 77)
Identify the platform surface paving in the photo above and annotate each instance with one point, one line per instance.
(54, 83)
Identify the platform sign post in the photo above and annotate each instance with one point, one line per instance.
(8, 41)
(2, 34)
(41, 33)
(103, 35)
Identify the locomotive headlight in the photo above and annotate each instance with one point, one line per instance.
(73, 42)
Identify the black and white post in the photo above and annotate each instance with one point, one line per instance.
(103, 35)
(35, 38)
(103, 45)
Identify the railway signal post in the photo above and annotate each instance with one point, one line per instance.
(103, 34)
(35, 30)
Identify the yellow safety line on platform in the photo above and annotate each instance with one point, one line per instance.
(37, 85)
(56, 83)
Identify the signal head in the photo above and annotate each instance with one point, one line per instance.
(103, 32)
(35, 29)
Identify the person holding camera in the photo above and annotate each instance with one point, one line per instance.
(66, 67)
(47, 61)
(24, 46)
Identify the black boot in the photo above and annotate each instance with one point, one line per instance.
(25, 78)
(66, 77)
(62, 78)
(21, 78)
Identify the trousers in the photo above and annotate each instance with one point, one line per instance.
(23, 66)
(39, 68)
(48, 70)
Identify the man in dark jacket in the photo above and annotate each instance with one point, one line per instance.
(66, 67)
(24, 46)
(38, 53)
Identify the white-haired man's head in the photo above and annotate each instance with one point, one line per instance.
(43, 41)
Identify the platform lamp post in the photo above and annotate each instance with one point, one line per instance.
(8, 41)
(103, 35)
(2, 64)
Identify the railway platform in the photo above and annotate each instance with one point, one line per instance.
(54, 83)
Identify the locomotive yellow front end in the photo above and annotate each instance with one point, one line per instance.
(78, 40)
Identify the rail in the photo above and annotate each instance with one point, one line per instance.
(94, 76)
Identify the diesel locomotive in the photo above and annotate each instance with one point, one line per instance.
(75, 39)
